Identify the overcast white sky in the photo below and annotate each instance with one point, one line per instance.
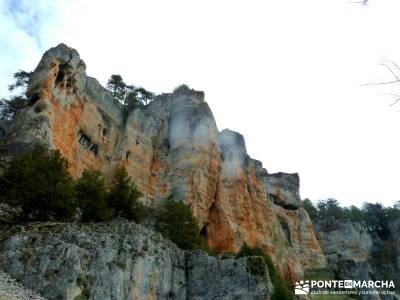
(286, 74)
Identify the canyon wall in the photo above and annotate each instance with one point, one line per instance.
(117, 260)
(353, 252)
(171, 148)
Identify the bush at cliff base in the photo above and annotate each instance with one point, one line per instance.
(176, 222)
(281, 287)
(38, 181)
(91, 194)
(123, 197)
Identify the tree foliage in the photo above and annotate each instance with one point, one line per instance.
(374, 215)
(182, 89)
(91, 195)
(39, 182)
(21, 80)
(123, 197)
(282, 289)
(131, 101)
(137, 97)
(116, 86)
(310, 208)
(10, 107)
(397, 205)
(130, 96)
(144, 96)
(176, 222)
(377, 217)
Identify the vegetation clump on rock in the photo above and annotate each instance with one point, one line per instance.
(256, 266)
(176, 222)
(38, 181)
(123, 197)
(91, 192)
(129, 96)
(375, 216)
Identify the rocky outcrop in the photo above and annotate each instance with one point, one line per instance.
(171, 148)
(353, 252)
(345, 240)
(121, 260)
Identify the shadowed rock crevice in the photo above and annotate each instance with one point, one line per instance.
(65, 78)
(86, 142)
(277, 201)
(203, 232)
(33, 99)
(286, 229)
(60, 75)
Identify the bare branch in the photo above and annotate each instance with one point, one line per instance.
(379, 83)
(393, 69)
(387, 66)
(397, 99)
(363, 2)
(394, 63)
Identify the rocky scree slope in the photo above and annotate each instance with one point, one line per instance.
(171, 148)
(12, 290)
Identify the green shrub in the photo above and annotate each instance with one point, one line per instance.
(182, 89)
(123, 197)
(91, 194)
(176, 222)
(247, 251)
(39, 182)
(256, 267)
(310, 208)
(81, 297)
(82, 282)
(377, 217)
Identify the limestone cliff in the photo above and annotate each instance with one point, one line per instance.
(118, 260)
(352, 252)
(171, 148)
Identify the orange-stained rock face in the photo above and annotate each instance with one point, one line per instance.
(170, 148)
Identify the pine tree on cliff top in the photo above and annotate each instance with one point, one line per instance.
(10, 107)
(116, 86)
